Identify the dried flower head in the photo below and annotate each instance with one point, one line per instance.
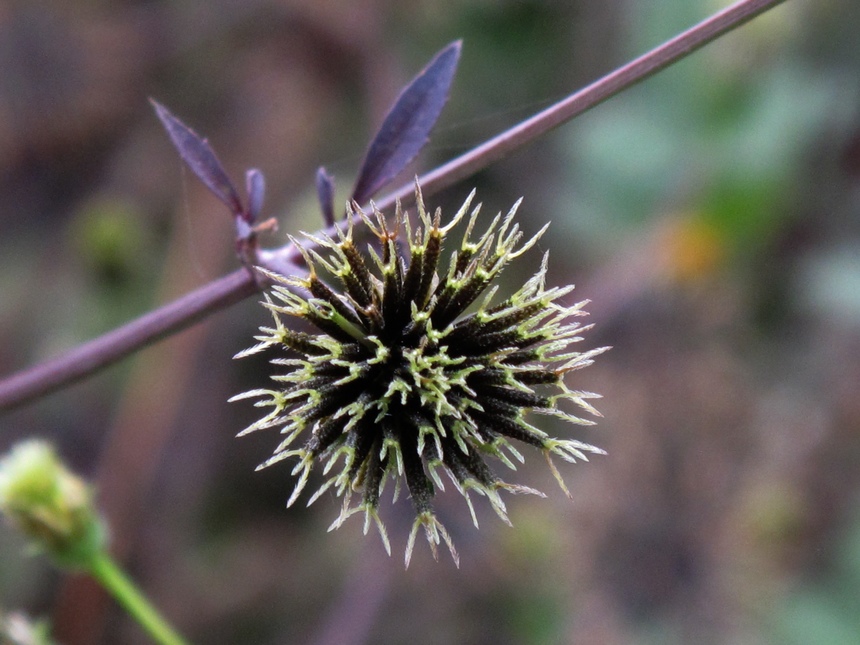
(398, 380)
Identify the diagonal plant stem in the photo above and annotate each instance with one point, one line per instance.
(104, 569)
(588, 97)
(89, 358)
(109, 348)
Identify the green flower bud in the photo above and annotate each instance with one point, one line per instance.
(400, 381)
(50, 505)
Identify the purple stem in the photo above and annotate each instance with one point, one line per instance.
(97, 354)
(115, 345)
(604, 88)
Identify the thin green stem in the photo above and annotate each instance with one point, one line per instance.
(120, 586)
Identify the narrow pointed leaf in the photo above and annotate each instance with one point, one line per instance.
(200, 158)
(325, 193)
(407, 126)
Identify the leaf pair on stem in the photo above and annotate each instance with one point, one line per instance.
(404, 132)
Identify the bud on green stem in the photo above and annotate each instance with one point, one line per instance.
(55, 509)
(50, 505)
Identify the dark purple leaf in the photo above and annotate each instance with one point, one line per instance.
(407, 126)
(255, 184)
(200, 157)
(325, 193)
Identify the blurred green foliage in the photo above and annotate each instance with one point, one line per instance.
(823, 609)
(721, 138)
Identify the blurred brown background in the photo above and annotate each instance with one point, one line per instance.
(712, 215)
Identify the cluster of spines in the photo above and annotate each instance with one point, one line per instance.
(401, 381)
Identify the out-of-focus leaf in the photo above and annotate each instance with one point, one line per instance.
(255, 184)
(407, 126)
(196, 152)
(325, 193)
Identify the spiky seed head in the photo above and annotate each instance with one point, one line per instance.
(399, 381)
